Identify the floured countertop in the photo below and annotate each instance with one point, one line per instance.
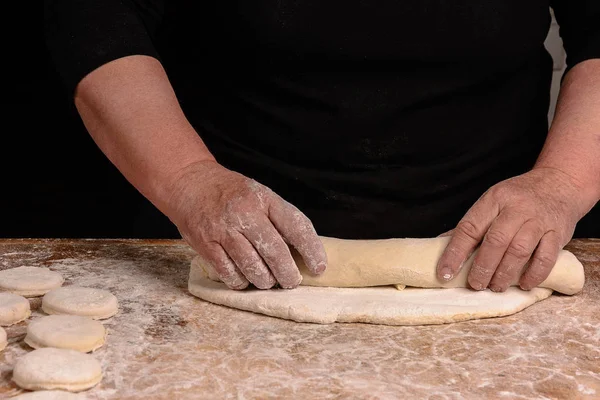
(167, 344)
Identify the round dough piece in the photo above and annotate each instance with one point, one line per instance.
(77, 300)
(50, 368)
(29, 281)
(66, 332)
(3, 339)
(50, 395)
(375, 305)
(13, 309)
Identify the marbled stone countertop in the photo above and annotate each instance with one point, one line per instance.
(167, 344)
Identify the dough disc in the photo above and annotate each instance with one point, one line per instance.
(51, 368)
(3, 339)
(49, 395)
(376, 305)
(66, 332)
(358, 286)
(13, 309)
(29, 281)
(84, 301)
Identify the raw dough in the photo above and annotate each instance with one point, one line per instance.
(29, 281)
(66, 332)
(376, 305)
(3, 339)
(409, 262)
(50, 368)
(50, 395)
(356, 287)
(13, 309)
(412, 262)
(77, 300)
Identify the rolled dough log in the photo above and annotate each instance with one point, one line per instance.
(412, 262)
(29, 281)
(66, 332)
(3, 339)
(84, 301)
(51, 368)
(13, 309)
(407, 262)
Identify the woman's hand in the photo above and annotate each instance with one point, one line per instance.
(239, 226)
(242, 228)
(528, 218)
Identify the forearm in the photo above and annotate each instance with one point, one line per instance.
(129, 108)
(573, 142)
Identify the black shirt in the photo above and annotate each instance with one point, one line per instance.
(376, 118)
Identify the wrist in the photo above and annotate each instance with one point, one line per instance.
(169, 185)
(586, 191)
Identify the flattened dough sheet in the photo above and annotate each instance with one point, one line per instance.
(356, 287)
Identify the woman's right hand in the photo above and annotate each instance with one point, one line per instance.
(237, 225)
(241, 228)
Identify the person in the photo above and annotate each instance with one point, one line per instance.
(255, 126)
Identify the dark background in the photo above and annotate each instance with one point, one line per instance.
(55, 182)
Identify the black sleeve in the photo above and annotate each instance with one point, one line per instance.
(579, 28)
(82, 35)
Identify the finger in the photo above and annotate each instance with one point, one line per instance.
(247, 260)
(466, 237)
(492, 249)
(542, 262)
(220, 262)
(298, 231)
(273, 250)
(516, 256)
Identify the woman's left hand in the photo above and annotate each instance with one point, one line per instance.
(527, 218)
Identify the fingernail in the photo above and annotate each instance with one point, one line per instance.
(321, 267)
(446, 274)
(477, 286)
(291, 282)
(495, 288)
(241, 286)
